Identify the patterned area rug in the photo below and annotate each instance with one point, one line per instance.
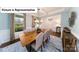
(53, 45)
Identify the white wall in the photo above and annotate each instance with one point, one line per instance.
(75, 28)
(65, 20)
(55, 20)
(28, 21)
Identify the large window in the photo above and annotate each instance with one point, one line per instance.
(17, 25)
(19, 22)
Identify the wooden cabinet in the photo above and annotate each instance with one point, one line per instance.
(58, 31)
(69, 41)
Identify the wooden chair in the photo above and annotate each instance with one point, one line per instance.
(58, 31)
(69, 41)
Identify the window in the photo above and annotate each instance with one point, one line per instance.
(17, 25)
(18, 22)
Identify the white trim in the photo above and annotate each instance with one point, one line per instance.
(77, 36)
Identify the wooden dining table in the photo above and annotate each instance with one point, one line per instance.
(28, 38)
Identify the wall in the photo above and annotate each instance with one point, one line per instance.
(28, 21)
(51, 22)
(75, 28)
(65, 21)
(4, 28)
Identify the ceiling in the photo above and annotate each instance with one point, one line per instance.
(43, 11)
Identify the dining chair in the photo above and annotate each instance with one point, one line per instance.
(46, 37)
(37, 45)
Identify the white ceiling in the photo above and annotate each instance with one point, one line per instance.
(47, 10)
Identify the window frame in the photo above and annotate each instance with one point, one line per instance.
(12, 25)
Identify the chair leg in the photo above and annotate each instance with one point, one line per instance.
(33, 50)
(43, 44)
(41, 49)
(28, 48)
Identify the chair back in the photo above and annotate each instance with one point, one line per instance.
(39, 40)
(46, 35)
